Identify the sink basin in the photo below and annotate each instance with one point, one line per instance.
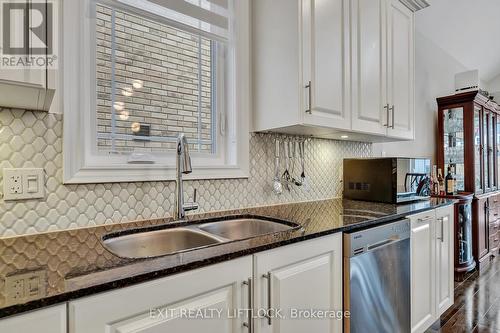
(243, 228)
(165, 241)
(159, 242)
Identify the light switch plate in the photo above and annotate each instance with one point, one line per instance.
(19, 184)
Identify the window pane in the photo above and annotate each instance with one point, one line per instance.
(154, 81)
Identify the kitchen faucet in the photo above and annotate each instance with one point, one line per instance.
(183, 166)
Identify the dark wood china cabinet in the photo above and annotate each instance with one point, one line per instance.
(469, 142)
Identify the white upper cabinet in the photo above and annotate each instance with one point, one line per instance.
(400, 71)
(369, 75)
(383, 68)
(332, 67)
(31, 86)
(325, 64)
(301, 68)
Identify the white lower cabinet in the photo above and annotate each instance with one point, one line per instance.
(445, 260)
(304, 276)
(432, 246)
(423, 273)
(49, 320)
(201, 300)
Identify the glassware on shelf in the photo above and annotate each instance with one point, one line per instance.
(454, 144)
(464, 233)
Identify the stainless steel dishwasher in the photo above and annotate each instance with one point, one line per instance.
(377, 279)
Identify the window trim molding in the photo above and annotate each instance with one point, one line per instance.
(80, 168)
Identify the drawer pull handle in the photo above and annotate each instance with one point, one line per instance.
(392, 109)
(387, 108)
(249, 324)
(427, 218)
(442, 229)
(309, 90)
(269, 305)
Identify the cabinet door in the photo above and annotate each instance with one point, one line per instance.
(486, 165)
(478, 151)
(494, 149)
(400, 70)
(49, 320)
(300, 276)
(326, 63)
(445, 258)
(489, 161)
(369, 66)
(480, 228)
(423, 300)
(167, 305)
(22, 37)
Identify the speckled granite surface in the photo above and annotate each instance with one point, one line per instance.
(76, 263)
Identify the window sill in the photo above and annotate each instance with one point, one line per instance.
(141, 173)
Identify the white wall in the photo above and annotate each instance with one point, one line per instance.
(435, 71)
(494, 87)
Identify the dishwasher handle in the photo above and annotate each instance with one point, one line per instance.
(375, 246)
(383, 243)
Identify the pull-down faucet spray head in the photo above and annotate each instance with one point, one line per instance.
(183, 153)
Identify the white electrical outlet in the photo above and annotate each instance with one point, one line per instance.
(19, 184)
(15, 185)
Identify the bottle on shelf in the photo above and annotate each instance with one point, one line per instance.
(440, 182)
(454, 175)
(449, 182)
(434, 181)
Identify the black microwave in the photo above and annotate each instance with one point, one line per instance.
(387, 179)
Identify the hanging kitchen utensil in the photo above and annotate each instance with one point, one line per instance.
(302, 153)
(286, 175)
(277, 186)
(296, 154)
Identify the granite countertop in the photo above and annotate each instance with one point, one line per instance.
(76, 264)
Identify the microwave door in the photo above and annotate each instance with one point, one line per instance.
(415, 185)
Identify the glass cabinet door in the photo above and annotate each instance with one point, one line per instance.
(478, 151)
(497, 149)
(494, 149)
(490, 153)
(453, 123)
(464, 233)
(484, 148)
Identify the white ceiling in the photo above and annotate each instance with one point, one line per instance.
(469, 30)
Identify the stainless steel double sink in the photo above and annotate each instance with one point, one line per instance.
(172, 240)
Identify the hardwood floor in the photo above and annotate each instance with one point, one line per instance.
(477, 304)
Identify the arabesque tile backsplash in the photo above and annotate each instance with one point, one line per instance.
(34, 139)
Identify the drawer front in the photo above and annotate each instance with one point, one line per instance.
(495, 200)
(494, 241)
(494, 207)
(494, 228)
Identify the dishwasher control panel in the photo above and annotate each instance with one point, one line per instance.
(359, 242)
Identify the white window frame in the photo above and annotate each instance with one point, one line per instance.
(84, 164)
